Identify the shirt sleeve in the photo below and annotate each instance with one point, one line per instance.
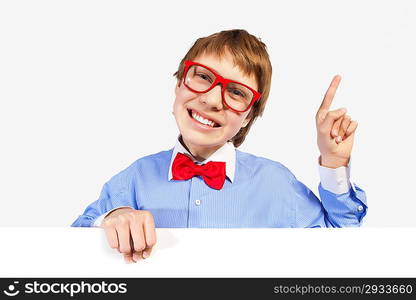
(336, 180)
(344, 202)
(341, 203)
(116, 193)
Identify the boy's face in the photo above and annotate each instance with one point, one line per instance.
(209, 105)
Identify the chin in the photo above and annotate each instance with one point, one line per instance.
(203, 140)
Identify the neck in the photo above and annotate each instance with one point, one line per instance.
(198, 153)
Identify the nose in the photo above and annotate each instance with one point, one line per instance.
(213, 98)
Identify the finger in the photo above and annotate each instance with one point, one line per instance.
(123, 232)
(137, 236)
(330, 93)
(320, 116)
(150, 235)
(349, 136)
(330, 119)
(137, 240)
(351, 128)
(336, 127)
(112, 237)
(344, 126)
(128, 258)
(137, 256)
(146, 253)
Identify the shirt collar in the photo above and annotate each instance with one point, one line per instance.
(226, 154)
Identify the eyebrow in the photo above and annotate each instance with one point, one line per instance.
(220, 74)
(214, 70)
(209, 67)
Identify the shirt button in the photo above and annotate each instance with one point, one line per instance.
(360, 208)
(197, 202)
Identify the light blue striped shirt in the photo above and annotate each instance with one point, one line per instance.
(258, 192)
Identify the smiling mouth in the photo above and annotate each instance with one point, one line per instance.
(197, 117)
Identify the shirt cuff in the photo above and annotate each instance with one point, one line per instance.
(337, 180)
(98, 221)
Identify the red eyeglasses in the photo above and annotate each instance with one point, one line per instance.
(201, 79)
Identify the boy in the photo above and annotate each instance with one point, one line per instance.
(223, 83)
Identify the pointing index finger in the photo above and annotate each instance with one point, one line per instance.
(330, 93)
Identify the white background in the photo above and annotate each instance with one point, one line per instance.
(195, 252)
(86, 88)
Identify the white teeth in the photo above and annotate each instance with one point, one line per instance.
(202, 120)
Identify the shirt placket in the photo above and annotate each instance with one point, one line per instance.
(196, 201)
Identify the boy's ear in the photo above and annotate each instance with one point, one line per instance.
(178, 85)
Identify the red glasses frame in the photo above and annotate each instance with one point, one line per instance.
(223, 81)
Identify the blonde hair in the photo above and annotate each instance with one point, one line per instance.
(249, 54)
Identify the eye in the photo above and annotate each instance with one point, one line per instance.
(204, 77)
(237, 92)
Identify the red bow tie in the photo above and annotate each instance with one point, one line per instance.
(213, 172)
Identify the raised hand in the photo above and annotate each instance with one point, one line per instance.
(335, 129)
